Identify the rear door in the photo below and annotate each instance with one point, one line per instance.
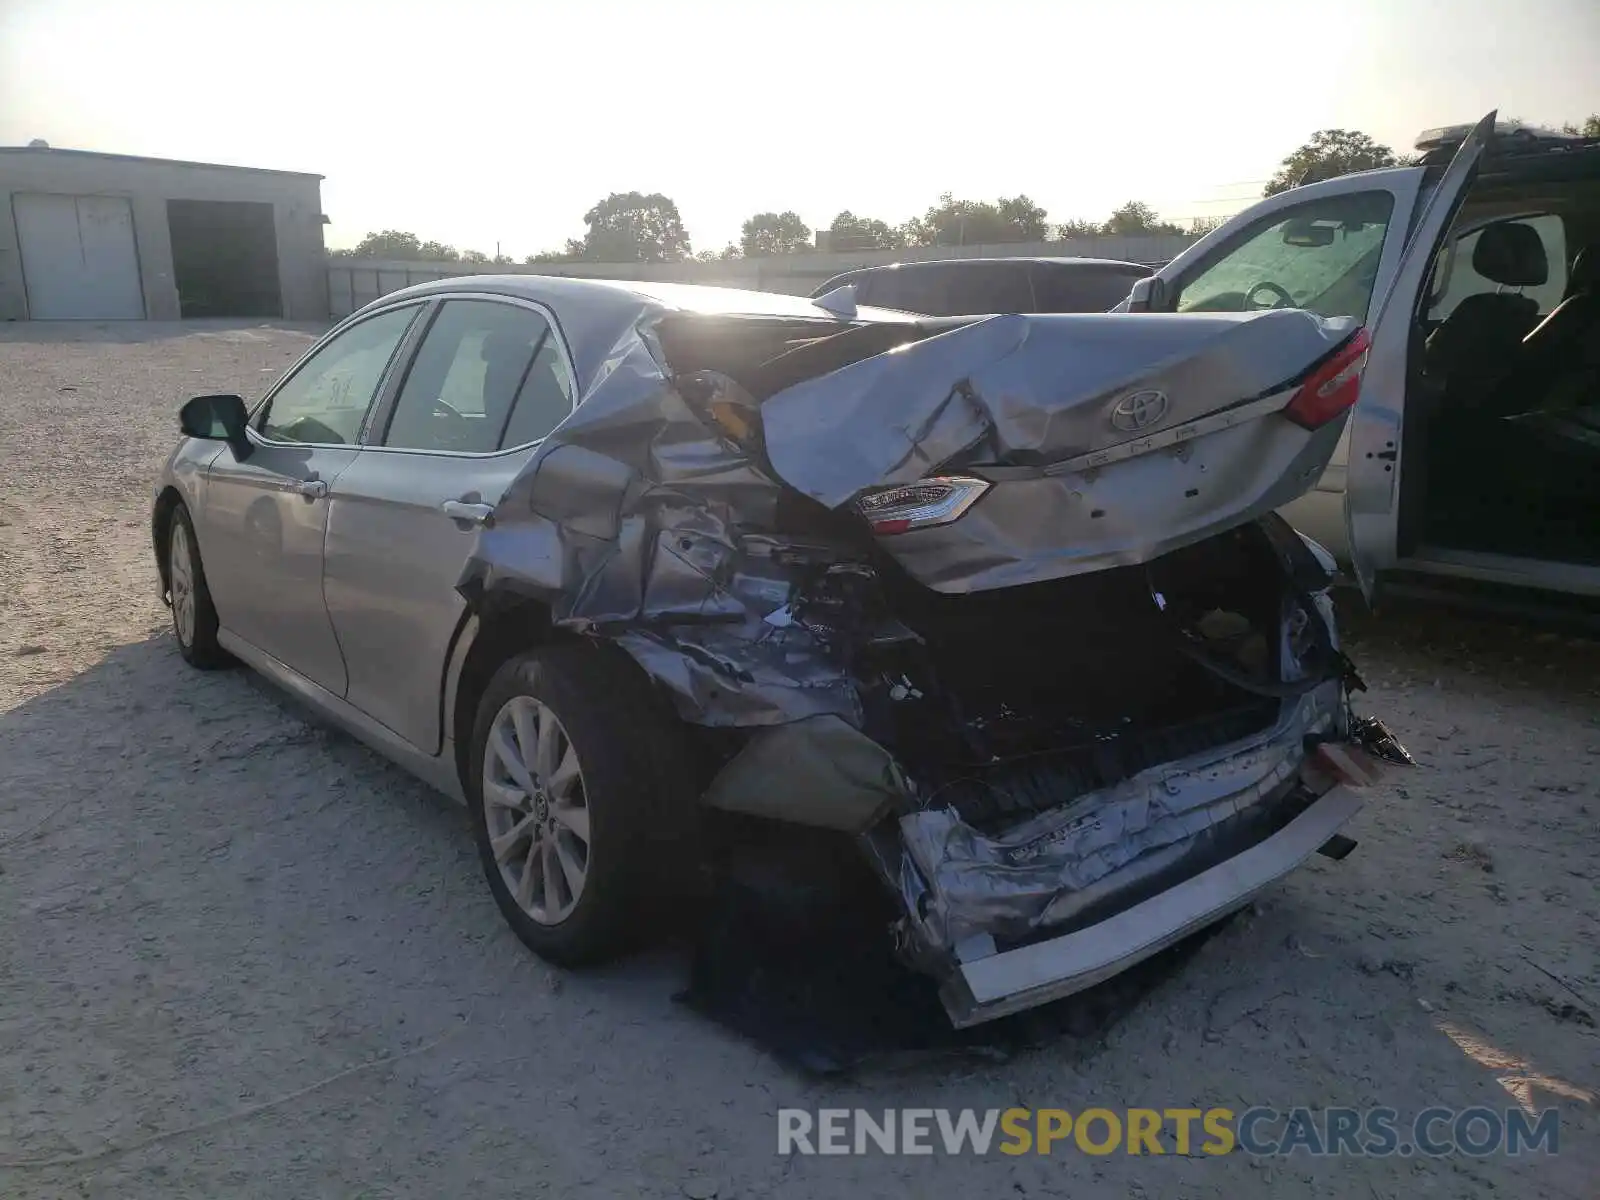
(490, 378)
(1372, 481)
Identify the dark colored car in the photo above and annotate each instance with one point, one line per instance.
(959, 287)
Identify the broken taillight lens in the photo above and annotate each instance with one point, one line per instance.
(935, 501)
(1333, 387)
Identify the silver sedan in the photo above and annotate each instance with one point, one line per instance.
(999, 603)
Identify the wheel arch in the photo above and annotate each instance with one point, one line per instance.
(166, 504)
(498, 626)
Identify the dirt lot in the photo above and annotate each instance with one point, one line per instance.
(241, 956)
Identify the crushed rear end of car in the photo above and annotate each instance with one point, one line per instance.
(1003, 601)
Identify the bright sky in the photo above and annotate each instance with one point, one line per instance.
(477, 121)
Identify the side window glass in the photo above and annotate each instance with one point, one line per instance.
(1322, 255)
(327, 398)
(466, 376)
(1460, 279)
(1080, 290)
(545, 398)
(894, 287)
(988, 288)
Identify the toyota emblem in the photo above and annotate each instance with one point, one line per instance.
(1139, 410)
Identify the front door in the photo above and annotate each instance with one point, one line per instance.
(489, 380)
(262, 521)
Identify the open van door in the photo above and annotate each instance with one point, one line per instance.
(1373, 475)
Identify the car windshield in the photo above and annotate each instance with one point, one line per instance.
(1322, 256)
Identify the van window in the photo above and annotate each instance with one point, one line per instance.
(952, 289)
(1455, 271)
(1064, 289)
(1321, 255)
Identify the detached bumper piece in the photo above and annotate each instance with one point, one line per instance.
(1011, 981)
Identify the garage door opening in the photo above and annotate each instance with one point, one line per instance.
(224, 258)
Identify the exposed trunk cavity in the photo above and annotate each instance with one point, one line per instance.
(1020, 699)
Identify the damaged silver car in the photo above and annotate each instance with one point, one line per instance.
(1001, 600)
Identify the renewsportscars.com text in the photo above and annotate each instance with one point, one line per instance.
(1372, 1132)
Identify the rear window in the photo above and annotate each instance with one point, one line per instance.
(1064, 289)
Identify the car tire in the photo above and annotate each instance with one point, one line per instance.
(194, 617)
(580, 864)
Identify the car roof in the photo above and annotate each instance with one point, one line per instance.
(595, 313)
(1043, 260)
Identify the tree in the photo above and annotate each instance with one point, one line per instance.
(1135, 219)
(954, 222)
(1025, 217)
(1077, 229)
(437, 252)
(1330, 152)
(391, 243)
(1590, 128)
(769, 233)
(547, 256)
(633, 227)
(850, 232)
(474, 256)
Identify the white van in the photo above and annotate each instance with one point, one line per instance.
(1471, 465)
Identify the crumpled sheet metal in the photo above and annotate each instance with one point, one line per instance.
(818, 772)
(1026, 390)
(1033, 391)
(636, 521)
(957, 882)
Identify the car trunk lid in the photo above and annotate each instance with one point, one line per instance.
(1091, 440)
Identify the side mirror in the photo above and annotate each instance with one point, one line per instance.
(217, 418)
(1148, 295)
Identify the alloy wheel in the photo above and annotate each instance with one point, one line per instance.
(181, 583)
(536, 809)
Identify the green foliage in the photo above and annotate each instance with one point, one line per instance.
(1135, 219)
(1330, 152)
(850, 232)
(954, 222)
(391, 243)
(632, 227)
(769, 233)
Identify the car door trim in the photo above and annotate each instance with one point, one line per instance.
(383, 412)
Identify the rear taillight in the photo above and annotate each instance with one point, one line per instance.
(935, 501)
(1333, 387)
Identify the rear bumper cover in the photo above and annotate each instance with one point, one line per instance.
(1000, 984)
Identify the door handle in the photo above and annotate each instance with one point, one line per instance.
(312, 489)
(467, 512)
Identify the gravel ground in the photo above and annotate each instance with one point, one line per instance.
(242, 956)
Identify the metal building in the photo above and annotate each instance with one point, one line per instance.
(105, 237)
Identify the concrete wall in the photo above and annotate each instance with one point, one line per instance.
(149, 184)
(353, 282)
